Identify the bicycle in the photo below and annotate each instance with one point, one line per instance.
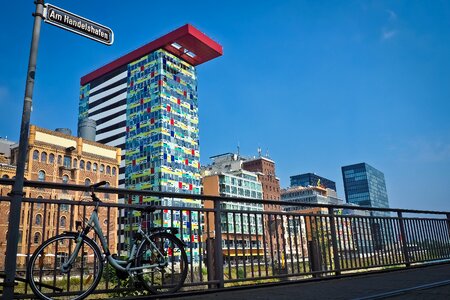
(70, 265)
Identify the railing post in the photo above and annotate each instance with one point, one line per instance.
(315, 263)
(337, 264)
(448, 225)
(218, 255)
(403, 239)
(17, 190)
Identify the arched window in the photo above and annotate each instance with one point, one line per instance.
(62, 222)
(67, 161)
(5, 176)
(59, 160)
(41, 175)
(39, 205)
(102, 168)
(44, 157)
(37, 238)
(108, 170)
(38, 220)
(87, 182)
(65, 180)
(88, 166)
(75, 163)
(35, 155)
(107, 194)
(82, 164)
(51, 158)
(114, 170)
(94, 167)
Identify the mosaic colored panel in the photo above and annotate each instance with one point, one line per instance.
(84, 102)
(162, 148)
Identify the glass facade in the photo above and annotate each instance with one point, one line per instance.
(311, 179)
(365, 186)
(242, 185)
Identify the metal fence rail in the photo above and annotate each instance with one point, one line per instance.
(229, 243)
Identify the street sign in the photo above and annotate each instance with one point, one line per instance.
(82, 26)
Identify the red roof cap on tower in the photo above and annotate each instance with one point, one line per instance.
(186, 42)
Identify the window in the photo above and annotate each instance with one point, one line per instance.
(38, 220)
(59, 160)
(108, 170)
(5, 176)
(67, 161)
(87, 182)
(41, 175)
(51, 158)
(37, 238)
(94, 167)
(65, 180)
(88, 166)
(82, 164)
(36, 155)
(64, 207)
(114, 170)
(39, 205)
(44, 156)
(75, 163)
(107, 194)
(62, 222)
(102, 168)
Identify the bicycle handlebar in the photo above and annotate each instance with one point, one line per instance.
(98, 184)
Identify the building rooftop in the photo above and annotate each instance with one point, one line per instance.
(186, 42)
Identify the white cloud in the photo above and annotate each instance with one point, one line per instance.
(388, 34)
(392, 15)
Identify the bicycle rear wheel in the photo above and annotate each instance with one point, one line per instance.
(45, 274)
(170, 276)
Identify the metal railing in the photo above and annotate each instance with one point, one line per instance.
(228, 246)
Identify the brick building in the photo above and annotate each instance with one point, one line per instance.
(57, 157)
(265, 169)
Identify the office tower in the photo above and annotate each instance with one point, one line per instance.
(245, 231)
(146, 103)
(311, 179)
(364, 185)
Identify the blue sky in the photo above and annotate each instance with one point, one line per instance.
(316, 85)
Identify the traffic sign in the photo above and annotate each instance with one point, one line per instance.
(79, 25)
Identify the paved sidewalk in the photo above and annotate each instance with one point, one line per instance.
(349, 288)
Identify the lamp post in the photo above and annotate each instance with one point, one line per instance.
(17, 191)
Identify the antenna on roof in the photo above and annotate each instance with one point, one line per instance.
(238, 149)
(267, 153)
(259, 151)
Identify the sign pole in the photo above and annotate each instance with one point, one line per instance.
(17, 191)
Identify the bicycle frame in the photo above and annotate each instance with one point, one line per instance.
(122, 265)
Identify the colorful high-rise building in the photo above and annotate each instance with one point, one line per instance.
(146, 103)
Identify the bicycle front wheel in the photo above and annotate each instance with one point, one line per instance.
(48, 277)
(167, 251)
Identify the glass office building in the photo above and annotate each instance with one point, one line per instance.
(311, 179)
(364, 185)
